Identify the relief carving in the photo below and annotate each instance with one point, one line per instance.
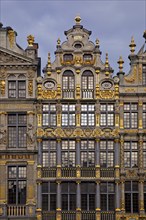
(30, 134)
(2, 136)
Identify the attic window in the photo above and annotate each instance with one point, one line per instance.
(87, 57)
(78, 45)
(68, 57)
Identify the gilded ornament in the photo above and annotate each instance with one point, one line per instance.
(132, 77)
(49, 94)
(68, 132)
(140, 73)
(107, 94)
(130, 90)
(58, 172)
(39, 120)
(40, 132)
(30, 40)
(78, 116)
(30, 210)
(39, 91)
(58, 91)
(78, 132)
(58, 120)
(117, 120)
(97, 92)
(97, 172)
(30, 87)
(2, 87)
(78, 172)
(78, 90)
(88, 132)
(11, 36)
(132, 45)
(58, 132)
(97, 120)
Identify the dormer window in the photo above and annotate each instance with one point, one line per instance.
(78, 45)
(67, 57)
(87, 57)
(144, 74)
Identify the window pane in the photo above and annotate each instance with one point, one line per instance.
(128, 202)
(91, 202)
(84, 202)
(45, 202)
(52, 202)
(21, 192)
(72, 202)
(12, 136)
(64, 202)
(12, 172)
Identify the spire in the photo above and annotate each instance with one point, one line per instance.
(49, 60)
(132, 45)
(97, 42)
(58, 42)
(120, 62)
(78, 20)
(106, 65)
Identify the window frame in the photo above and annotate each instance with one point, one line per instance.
(69, 194)
(68, 152)
(49, 195)
(107, 151)
(88, 152)
(87, 115)
(16, 89)
(48, 119)
(87, 84)
(68, 84)
(67, 114)
(49, 153)
(87, 195)
(129, 121)
(106, 113)
(132, 152)
(106, 194)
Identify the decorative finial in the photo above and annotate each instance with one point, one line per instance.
(106, 65)
(78, 20)
(144, 35)
(97, 42)
(49, 60)
(30, 40)
(120, 62)
(132, 45)
(58, 42)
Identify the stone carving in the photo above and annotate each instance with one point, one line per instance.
(30, 134)
(2, 136)
(132, 77)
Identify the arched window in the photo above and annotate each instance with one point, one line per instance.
(68, 84)
(87, 84)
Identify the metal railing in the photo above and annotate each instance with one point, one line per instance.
(16, 210)
(107, 173)
(68, 172)
(107, 216)
(68, 93)
(48, 172)
(49, 215)
(88, 215)
(69, 215)
(87, 172)
(87, 93)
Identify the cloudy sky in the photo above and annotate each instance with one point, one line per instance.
(113, 22)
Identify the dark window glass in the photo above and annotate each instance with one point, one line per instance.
(68, 57)
(16, 185)
(68, 153)
(48, 196)
(68, 190)
(17, 130)
(87, 153)
(107, 194)
(88, 193)
(131, 197)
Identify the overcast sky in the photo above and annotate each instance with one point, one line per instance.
(112, 22)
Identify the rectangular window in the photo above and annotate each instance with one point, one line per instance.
(131, 197)
(144, 74)
(144, 115)
(88, 192)
(87, 153)
(68, 115)
(107, 114)
(17, 129)
(16, 89)
(87, 115)
(130, 115)
(131, 154)
(144, 154)
(106, 153)
(49, 153)
(49, 115)
(68, 191)
(68, 154)
(107, 194)
(49, 196)
(17, 185)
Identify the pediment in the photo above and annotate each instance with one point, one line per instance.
(8, 57)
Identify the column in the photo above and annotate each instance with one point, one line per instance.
(140, 105)
(97, 157)
(58, 209)
(58, 158)
(121, 114)
(78, 161)
(97, 200)
(3, 188)
(141, 196)
(122, 195)
(78, 209)
(39, 151)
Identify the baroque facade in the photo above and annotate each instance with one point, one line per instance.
(73, 141)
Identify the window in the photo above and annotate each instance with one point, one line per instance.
(87, 153)
(144, 74)
(107, 153)
(87, 57)
(17, 130)
(107, 114)
(68, 57)
(49, 115)
(107, 196)
(68, 84)
(17, 185)
(48, 196)
(130, 115)
(144, 154)
(68, 190)
(131, 196)
(87, 84)
(78, 45)
(49, 153)
(68, 153)
(17, 89)
(68, 115)
(88, 191)
(130, 154)
(144, 115)
(87, 115)
(144, 196)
